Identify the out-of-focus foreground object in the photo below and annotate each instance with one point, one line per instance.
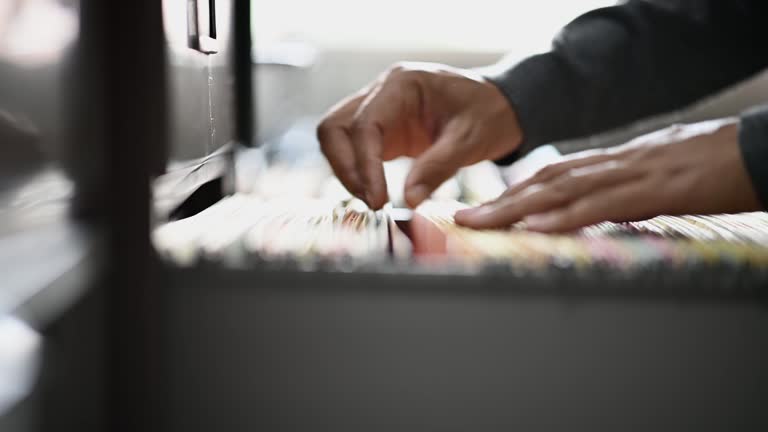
(48, 258)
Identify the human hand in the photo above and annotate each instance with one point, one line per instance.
(444, 117)
(688, 169)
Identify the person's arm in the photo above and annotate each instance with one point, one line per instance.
(622, 63)
(606, 68)
(753, 141)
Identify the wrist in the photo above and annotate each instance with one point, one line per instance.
(505, 115)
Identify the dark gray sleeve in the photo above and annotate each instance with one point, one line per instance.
(622, 63)
(753, 139)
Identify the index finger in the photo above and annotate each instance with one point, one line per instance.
(335, 139)
(380, 117)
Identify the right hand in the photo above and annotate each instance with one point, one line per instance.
(445, 118)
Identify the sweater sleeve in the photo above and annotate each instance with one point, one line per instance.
(753, 140)
(618, 64)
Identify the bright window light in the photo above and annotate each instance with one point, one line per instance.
(480, 25)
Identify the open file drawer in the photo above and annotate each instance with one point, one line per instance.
(390, 349)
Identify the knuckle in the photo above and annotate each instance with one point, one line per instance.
(397, 67)
(567, 177)
(547, 171)
(323, 130)
(394, 72)
(415, 77)
(363, 126)
(564, 183)
(560, 190)
(402, 73)
(324, 133)
(582, 176)
(412, 88)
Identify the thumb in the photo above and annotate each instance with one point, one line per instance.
(438, 163)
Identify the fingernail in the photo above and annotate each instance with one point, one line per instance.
(541, 221)
(416, 194)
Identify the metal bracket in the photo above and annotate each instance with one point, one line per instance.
(201, 24)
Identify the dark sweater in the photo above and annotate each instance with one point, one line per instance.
(643, 57)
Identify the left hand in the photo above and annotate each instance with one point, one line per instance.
(688, 169)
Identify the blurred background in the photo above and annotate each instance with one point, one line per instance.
(488, 26)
